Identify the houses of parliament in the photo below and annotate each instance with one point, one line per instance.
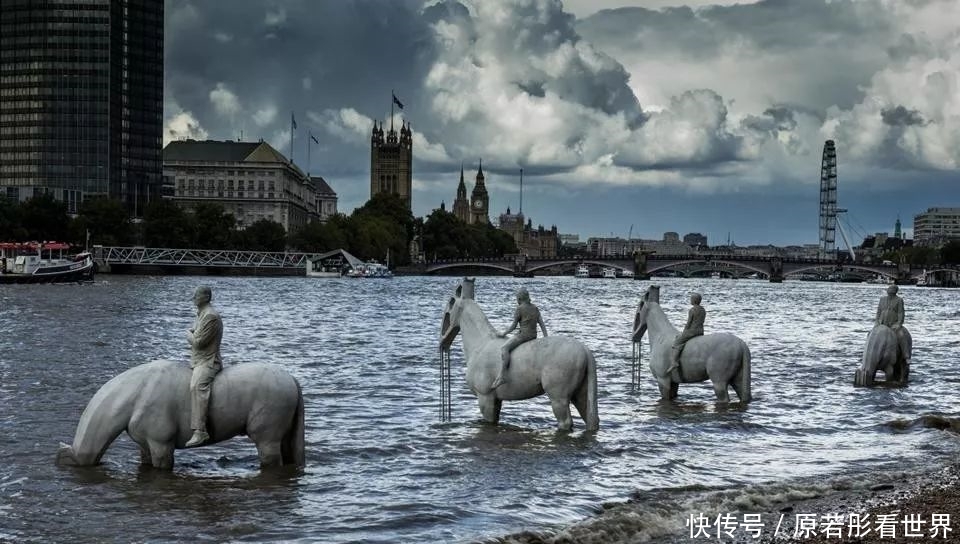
(477, 209)
(391, 161)
(391, 171)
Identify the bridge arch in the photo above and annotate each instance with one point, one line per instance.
(851, 266)
(551, 264)
(467, 264)
(708, 262)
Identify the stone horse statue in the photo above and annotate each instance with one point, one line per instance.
(559, 366)
(722, 358)
(883, 353)
(152, 403)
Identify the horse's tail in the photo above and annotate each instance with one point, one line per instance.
(591, 418)
(293, 447)
(745, 394)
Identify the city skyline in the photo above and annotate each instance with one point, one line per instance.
(705, 118)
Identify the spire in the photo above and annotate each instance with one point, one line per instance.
(480, 170)
(462, 187)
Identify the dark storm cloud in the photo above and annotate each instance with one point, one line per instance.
(901, 117)
(295, 55)
(836, 38)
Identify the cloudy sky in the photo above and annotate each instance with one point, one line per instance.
(637, 116)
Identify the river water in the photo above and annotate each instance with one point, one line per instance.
(381, 468)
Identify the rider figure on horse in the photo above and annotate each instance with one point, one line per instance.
(204, 339)
(890, 312)
(527, 316)
(694, 327)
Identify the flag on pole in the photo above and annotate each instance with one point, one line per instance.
(312, 137)
(397, 101)
(293, 121)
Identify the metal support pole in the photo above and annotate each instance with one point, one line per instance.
(635, 367)
(445, 390)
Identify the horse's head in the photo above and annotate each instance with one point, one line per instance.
(652, 295)
(450, 327)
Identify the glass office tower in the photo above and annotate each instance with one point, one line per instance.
(81, 100)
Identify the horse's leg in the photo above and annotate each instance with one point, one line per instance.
(161, 454)
(145, 457)
(736, 388)
(666, 388)
(720, 388)
(489, 408)
(270, 452)
(561, 409)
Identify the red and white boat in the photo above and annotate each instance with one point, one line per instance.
(43, 262)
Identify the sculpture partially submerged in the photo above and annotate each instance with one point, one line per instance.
(561, 367)
(152, 403)
(889, 345)
(722, 358)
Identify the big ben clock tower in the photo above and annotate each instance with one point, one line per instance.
(479, 200)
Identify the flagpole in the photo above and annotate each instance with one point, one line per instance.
(309, 136)
(521, 191)
(391, 109)
(291, 137)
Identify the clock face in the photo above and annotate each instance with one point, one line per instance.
(478, 203)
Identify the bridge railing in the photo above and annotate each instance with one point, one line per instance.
(199, 257)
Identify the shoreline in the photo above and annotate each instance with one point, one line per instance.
(823, 504)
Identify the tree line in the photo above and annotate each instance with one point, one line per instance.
(381, 227)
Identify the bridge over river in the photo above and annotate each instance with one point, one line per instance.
(644, 265)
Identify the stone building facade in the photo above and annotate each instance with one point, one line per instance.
(251, 180)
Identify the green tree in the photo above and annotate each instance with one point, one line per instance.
(167, 225)
(950, 252)
(108, 223)
(212, 226)
(262, 235)
(45, 218)
(11, 223)
(317, 237)
(443, 235)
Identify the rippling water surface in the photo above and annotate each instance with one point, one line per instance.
(381, 468)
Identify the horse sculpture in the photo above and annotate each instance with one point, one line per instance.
(152, 403)
(883, 353)
(561, 367)
(722, 358)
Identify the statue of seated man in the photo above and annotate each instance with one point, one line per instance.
(694, 327)
(204, 339)
(527, 316)
(890, 312)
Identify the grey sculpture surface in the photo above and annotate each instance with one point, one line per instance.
(889, 345)
(152, 403)
(560, 367)
(205, 361)
(722, 358)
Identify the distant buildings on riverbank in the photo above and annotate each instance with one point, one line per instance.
(81, 101)
(936, 226)
(251, 180)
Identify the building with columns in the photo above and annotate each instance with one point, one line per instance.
(251, 180)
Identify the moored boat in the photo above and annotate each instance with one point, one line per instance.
(583, 271)
(610, 273)
(34, 262)
(371, 269)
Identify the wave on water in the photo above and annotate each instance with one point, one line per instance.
(926, 421)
